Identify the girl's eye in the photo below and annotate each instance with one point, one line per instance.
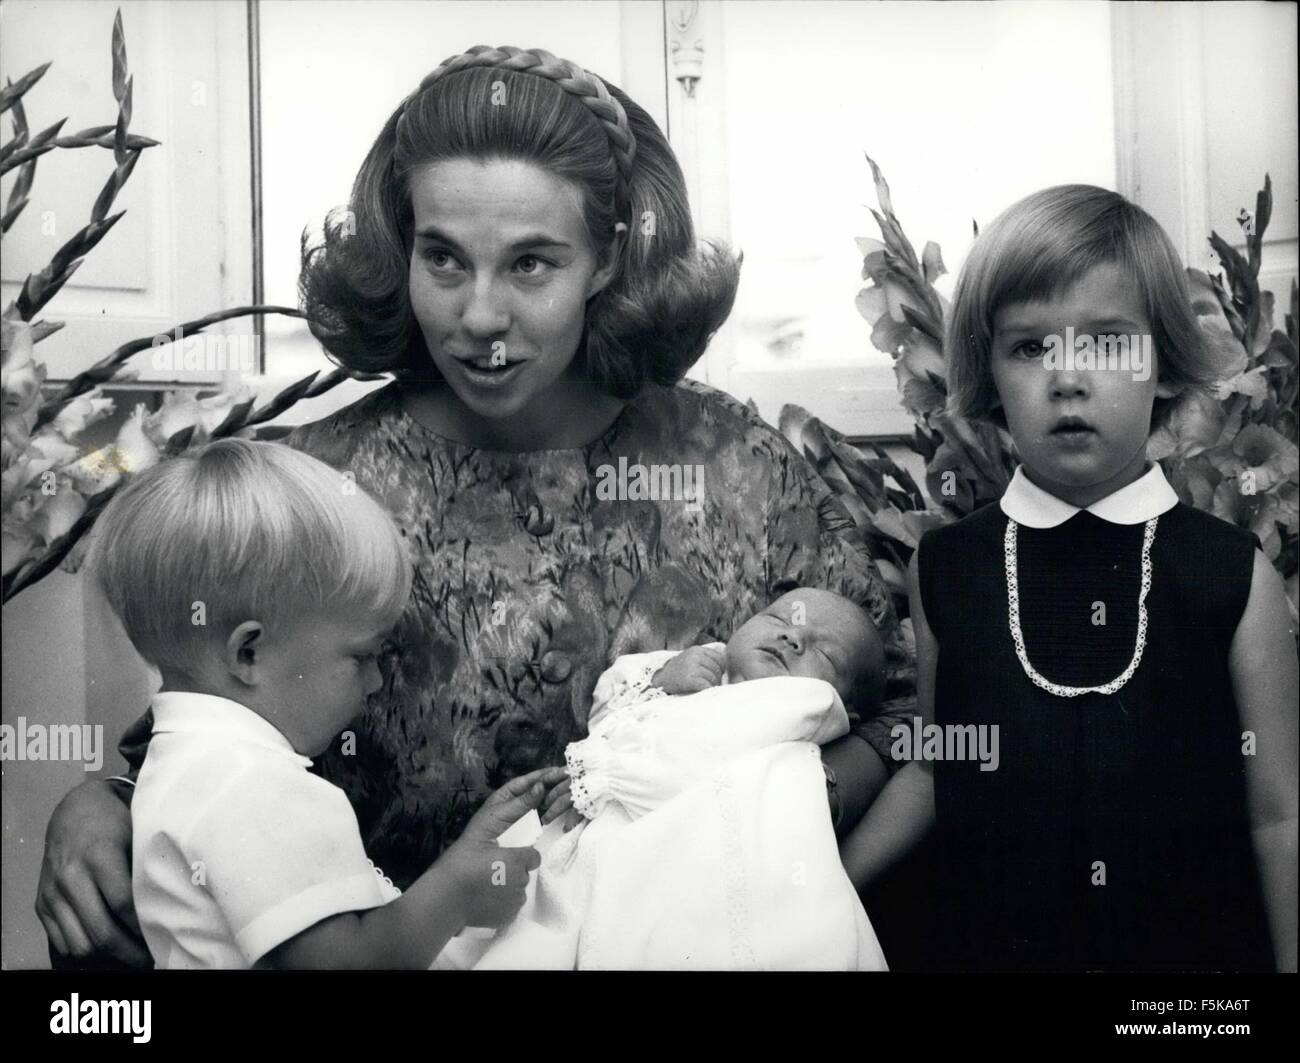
(1027, 349)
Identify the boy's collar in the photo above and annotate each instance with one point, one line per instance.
(1148, 496)
(189, 712)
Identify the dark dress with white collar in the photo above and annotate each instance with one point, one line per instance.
(1113, 834)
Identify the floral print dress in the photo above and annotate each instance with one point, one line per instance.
(530, 579)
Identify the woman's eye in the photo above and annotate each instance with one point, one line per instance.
(440, 258)
(532, 266)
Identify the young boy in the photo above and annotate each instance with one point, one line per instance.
(261, 583)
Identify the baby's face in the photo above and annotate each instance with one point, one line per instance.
(807, 632)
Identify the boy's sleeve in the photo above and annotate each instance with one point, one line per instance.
(813, 542)
(280, 850)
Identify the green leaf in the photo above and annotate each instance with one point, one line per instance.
(948, 480)
(119, 58)
(13, 92)
(1263, 208)
(1281, 352)
(922, 322)
(1263, 333)
(925, 442)
(882, 187)
(123, 121)
(918, 522)
(866, 480)
(892, 576)
(889, 521)
(900, 475)
(235, 417)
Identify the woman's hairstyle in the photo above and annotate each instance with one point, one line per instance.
(1037, 248)
(650, 323)
(241, 530)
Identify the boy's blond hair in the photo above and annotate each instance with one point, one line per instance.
(241, 530)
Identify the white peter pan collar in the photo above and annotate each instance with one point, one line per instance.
(1148, 496)
(192, 713)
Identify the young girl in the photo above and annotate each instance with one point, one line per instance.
(1133, 653)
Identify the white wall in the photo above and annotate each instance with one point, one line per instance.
(1207, 106)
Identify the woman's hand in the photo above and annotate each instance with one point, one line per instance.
(490, 878)
(694, 669)
(84, 896)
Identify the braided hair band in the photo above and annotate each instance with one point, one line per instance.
(585, 86)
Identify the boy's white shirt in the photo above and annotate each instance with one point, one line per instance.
(236, 846)
(1148, 496)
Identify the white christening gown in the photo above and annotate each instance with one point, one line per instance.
(707, 842)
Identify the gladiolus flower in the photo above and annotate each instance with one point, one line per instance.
(1267, 454)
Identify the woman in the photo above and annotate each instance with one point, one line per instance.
(519, 255)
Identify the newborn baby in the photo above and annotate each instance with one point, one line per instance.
(808, 632)
(702, 837)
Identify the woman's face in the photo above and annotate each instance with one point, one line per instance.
(501, 271)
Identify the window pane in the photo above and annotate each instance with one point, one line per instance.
(966, 107)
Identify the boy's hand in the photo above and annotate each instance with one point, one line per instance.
(491, 879)
(692, 670)
(559, 802)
